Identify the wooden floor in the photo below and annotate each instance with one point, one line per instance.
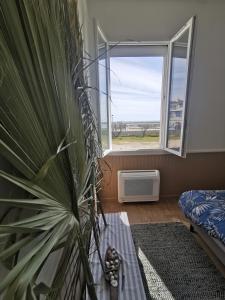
(153, 212)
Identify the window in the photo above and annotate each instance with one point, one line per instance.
(180, 47)
(103, 87)
(143, 98)
(136, 76)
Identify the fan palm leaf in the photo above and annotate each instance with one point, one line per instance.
(48, 134)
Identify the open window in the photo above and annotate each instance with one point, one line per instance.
(137, 76)
(177, 93)
(103, 68)
(143, 88)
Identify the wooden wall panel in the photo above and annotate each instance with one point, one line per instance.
(197, 171)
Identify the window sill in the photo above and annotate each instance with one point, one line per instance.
(137, 152)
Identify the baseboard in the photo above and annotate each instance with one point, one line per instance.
(170, 196)
(206, 151)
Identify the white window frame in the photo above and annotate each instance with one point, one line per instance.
(163, 91)
(98, 31)
(165, 94)
(188, 26)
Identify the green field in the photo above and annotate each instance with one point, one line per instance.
(135, 139)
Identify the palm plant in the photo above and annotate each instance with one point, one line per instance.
(48, 134)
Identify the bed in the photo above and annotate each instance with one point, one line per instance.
(205, 210)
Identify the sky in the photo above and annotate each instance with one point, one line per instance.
(136, 84)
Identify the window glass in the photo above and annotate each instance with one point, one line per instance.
(136, 87)
(103, 92)
(177, 95)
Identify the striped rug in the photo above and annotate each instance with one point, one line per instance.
(118, 235)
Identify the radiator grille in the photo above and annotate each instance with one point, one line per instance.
(134, 187)
(138, 185)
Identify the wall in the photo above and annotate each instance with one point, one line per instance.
(197, 171)
(84, 23)
(88, 32)
(154, 20)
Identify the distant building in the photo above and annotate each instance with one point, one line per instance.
(176, 114)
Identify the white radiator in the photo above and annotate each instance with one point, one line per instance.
(138, 185)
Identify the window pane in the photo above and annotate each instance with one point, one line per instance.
(136, 84)
(177, 92)
(103, 95)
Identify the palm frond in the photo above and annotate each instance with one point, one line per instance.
(49, 134)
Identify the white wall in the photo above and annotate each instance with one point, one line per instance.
(86, 23)
(155, 20)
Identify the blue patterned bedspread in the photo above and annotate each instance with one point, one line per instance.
(206, 209)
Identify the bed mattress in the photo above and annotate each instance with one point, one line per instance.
(206, 209)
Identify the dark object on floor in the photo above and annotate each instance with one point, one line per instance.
(173, 265)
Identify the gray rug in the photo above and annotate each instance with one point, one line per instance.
(173, 265)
